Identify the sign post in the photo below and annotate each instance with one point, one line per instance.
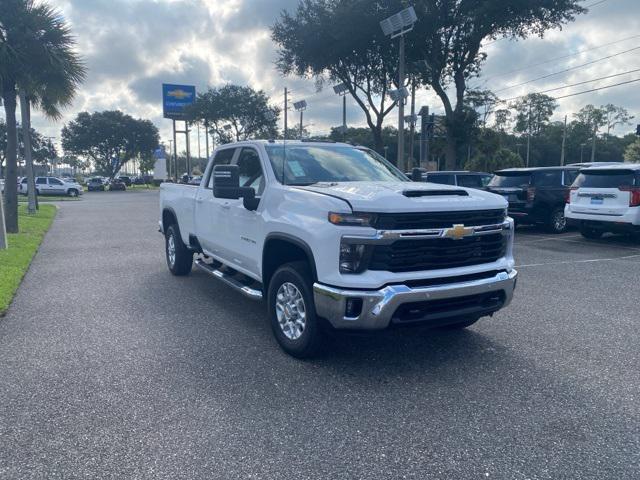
(175, 101)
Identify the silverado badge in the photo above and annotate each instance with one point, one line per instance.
(458, 232)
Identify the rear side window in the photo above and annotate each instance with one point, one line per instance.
(55, 181)
(510, 180)
(570, 176)
(223, 157)
(470, 181)
(548, 179)
(41, 181)
(441, 179)
(606, 179)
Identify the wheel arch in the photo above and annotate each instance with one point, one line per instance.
(281, 248)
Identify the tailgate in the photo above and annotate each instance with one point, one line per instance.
(600, 201)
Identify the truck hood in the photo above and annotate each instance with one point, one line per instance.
(394, 197)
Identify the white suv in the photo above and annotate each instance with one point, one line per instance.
(52, 186)
(605, 199)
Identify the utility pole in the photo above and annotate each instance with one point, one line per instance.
(175, 152)
(564, 141)
(301, 112)
(206, 138)
(199, 152)
(344, 118)
(413, 124)
(400, 161)
(529, 137)
(170, 155)
(286, 110)
(593, 141)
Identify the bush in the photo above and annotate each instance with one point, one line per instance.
(503, 158)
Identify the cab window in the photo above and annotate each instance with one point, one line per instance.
(250, 170)
(223, 157)
(41, 181)
(442, 179)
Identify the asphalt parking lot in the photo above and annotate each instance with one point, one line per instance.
(112, 368)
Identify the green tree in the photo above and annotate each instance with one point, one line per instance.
(533, 112)
(341, 41)
(632, 153)
(447, 41)
(502, 158)
(234, 112)
(37, 61)
(594, 118)
(615, 116)
(109, 139)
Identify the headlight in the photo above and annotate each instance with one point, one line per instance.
(352, 219)
(351, 258)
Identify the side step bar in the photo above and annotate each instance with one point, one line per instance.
(247, 291)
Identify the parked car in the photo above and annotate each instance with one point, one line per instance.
(331, 232)
(594, 164)
(96, 184)
(536, 195)
(52, 186)
(126, 180)
(117, 185)
(606, 199)
(458, 178)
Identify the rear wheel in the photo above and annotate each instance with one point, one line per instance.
(292, 311)
(179, 257)
(557, 223)
(591, 233)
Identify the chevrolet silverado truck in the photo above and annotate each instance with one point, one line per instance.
(334, 236)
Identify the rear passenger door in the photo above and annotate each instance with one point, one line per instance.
(549, 190)
(56, 187)
(41, 186)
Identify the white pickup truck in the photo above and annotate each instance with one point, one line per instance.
(335, 236)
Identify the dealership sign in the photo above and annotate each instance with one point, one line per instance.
(175, 99)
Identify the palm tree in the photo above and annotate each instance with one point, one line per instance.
(38, 61)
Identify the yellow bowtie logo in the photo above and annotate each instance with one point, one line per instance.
(458, 231)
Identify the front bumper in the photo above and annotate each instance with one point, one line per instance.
(381, 307)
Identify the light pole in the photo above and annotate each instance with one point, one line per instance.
(300, 106)
(396, 26)
(342, 91)
(582, 145)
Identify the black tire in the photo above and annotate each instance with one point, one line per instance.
(557, 223)
(181, 261)
(591, 233)
(311, 336)
(72, 192)
(462, 322)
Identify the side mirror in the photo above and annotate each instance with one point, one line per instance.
(416, 175)
(226, 184)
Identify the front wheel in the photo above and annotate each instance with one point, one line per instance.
(557, 223)
(292, 311)
(73, 193)
(179, 257)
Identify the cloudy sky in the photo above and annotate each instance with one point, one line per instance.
(132, 46)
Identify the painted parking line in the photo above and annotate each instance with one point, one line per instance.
(566, 262)
(590, 242)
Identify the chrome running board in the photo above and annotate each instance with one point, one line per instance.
(230, 280)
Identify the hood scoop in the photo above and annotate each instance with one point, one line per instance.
(434, 193)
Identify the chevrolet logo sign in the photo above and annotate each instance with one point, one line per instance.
(458, 232)
(179, 94)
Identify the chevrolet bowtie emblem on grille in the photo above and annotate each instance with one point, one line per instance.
(458, 231)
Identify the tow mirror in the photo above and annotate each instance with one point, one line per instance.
(416, 175)
(226, 184)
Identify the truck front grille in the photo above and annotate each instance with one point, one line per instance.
(427, 220)
(438, 253)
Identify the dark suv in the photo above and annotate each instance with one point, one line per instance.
(536, 195)
(458, 178)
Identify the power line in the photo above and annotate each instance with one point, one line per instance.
(597, 89)
(572, 85)
(566, 70)
(554, 59)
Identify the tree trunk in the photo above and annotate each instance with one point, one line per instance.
(451, 153)
(377, 139)
(11, 179)
(25, 114)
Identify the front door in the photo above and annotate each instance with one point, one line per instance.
(211, 214)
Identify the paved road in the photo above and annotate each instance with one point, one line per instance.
(112, 368)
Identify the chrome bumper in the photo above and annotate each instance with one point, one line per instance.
(379, 306)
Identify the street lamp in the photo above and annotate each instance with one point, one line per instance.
(342, 90)
(397, 26)
(300, 106)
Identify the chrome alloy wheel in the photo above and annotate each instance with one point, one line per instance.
(171, 250)
(291, 311)
(559, 221)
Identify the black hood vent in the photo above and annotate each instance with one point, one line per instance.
(435, 193)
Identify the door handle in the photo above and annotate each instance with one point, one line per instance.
(199, 200)
(226, 206)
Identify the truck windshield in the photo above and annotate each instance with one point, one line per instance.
(510, 180)
(309, 164)
(605, 179)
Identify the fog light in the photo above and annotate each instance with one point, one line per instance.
(353, 308)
